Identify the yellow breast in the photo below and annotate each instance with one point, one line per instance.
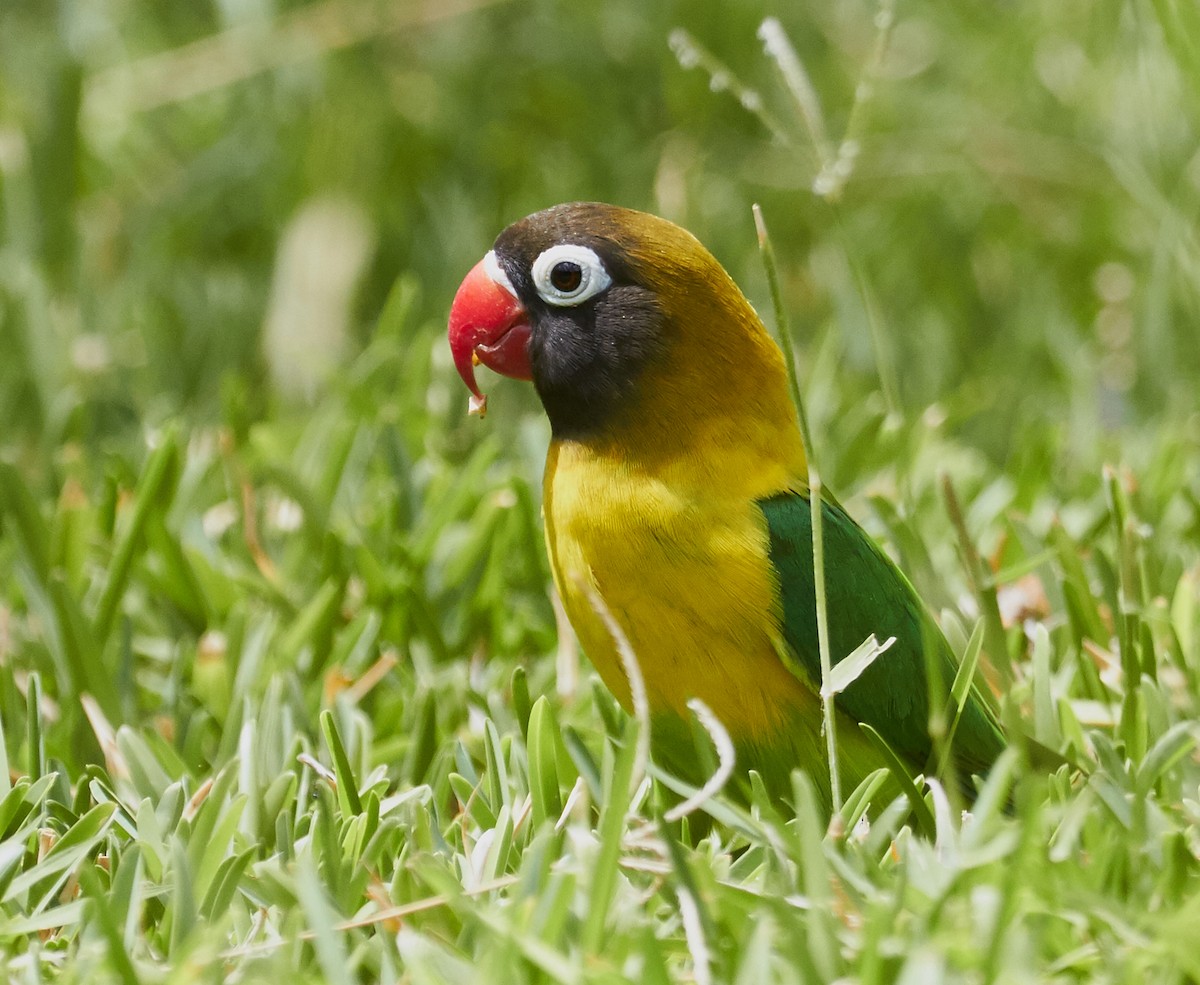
(684, 572)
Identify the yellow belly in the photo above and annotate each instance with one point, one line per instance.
(688, 581)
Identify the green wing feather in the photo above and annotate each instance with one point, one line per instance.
(866, 593)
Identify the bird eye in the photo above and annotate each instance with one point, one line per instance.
(567, 275)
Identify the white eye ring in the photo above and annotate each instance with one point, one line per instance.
(593, 278)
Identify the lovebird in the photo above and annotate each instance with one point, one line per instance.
(675, 492)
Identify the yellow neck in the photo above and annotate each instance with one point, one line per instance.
(714, 412)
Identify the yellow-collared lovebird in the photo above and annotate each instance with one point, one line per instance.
(675, 491)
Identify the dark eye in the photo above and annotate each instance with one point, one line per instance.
(566, 276)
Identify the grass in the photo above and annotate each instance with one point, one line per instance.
(282, 691)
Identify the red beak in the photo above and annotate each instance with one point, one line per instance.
(488, 325)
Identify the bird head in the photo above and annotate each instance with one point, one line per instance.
(620, 319)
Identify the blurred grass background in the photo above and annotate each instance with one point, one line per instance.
(1024, 192)
(264, 588)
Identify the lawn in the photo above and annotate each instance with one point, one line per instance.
(283, 688)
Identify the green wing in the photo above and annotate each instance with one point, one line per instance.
(866, 593)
